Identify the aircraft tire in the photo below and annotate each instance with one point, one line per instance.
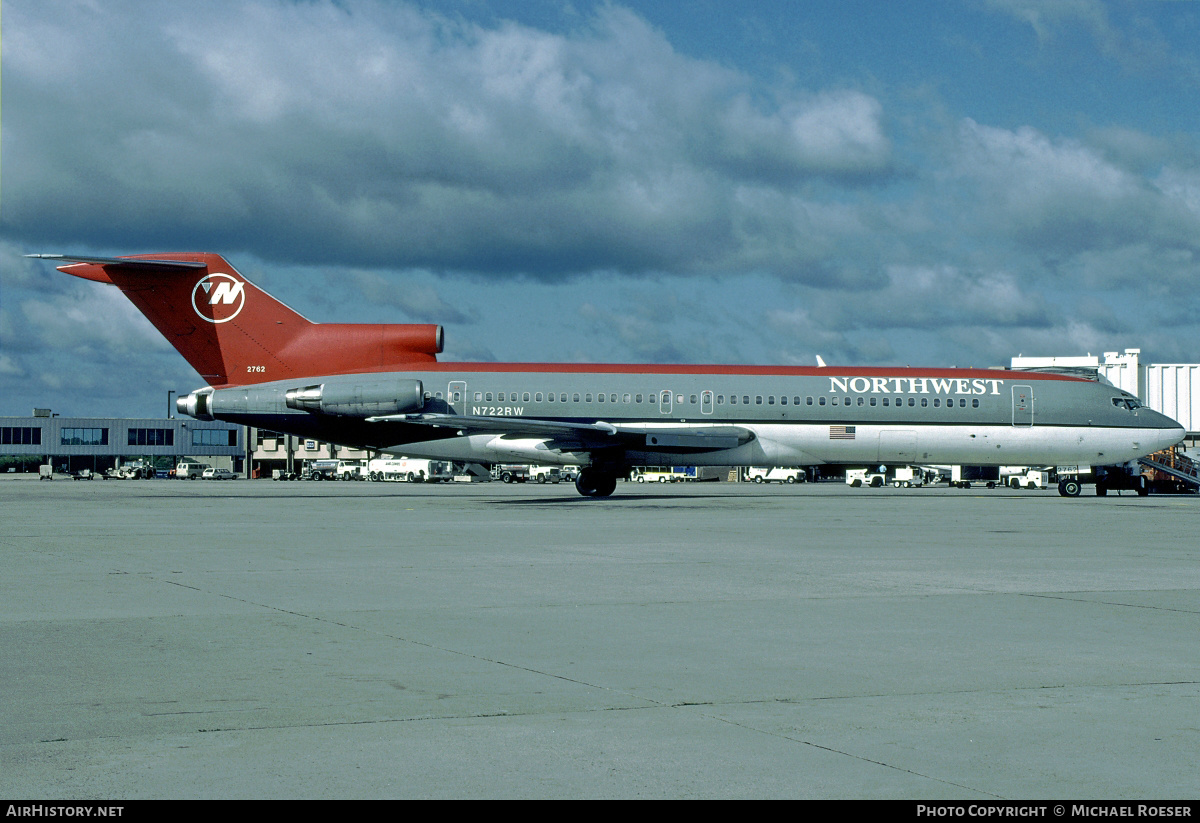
(1069, 488)
(592, 483)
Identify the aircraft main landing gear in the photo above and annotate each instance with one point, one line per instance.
(595, 483)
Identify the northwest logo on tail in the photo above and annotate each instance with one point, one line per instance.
(218, 298)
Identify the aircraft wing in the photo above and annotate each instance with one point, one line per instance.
(575, 436)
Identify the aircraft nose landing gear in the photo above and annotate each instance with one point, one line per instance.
(1069, 488)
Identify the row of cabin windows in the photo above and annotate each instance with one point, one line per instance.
(601, 397)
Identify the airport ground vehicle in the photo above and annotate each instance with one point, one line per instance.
(266, 365)
(411, 470)
(908, 477)
(1031, 479)
(866, 477)
(138, 470)
(510, 472)
(218, 474)
(775, 475)
(351, 470)
(545, 474)
(963, 477)
(189, 471)
(321, 469)
(1172, 471)
(663, 474)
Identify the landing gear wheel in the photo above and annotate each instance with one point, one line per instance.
(1143, 486)
(1069, 488)
(593, 483)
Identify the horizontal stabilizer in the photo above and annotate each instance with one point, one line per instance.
(131, 262)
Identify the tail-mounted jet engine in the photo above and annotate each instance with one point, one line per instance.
(358, 398)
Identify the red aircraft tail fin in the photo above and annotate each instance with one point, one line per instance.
(234, 333)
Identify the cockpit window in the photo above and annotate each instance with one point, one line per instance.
(1130, 403)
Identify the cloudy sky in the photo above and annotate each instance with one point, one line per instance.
(918, 183)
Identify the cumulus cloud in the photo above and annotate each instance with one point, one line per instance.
(92, 316)
(377, 133)
(1076, 210)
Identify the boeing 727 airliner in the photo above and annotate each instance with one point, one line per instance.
(380, 386)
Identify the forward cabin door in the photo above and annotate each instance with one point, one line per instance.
(1022, 405)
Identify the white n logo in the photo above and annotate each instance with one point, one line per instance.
(218, 297)
(226, 293)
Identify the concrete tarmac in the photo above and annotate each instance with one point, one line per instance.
(172, 639)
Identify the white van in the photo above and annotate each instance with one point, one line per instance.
(190, 471)
(775, 475)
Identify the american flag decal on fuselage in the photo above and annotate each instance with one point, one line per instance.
(841, 432)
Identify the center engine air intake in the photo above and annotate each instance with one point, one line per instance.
(364, 397)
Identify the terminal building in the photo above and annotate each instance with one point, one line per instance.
(70, 444)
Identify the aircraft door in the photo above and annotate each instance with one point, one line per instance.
(456, 396)
(706, 402)
(1022, 408)
(664, 401)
